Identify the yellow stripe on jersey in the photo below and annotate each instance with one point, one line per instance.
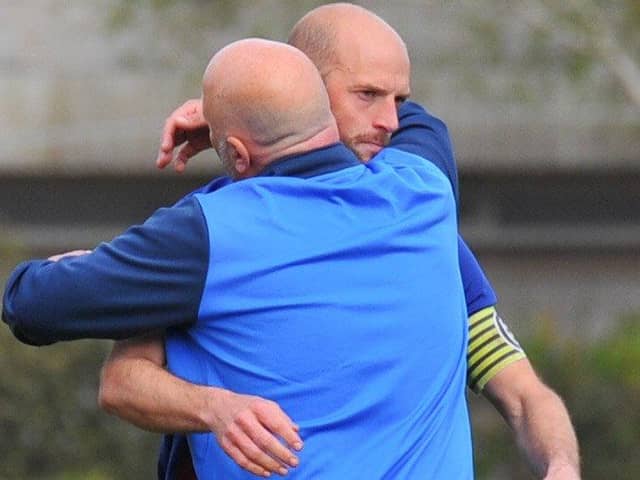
(491, 348)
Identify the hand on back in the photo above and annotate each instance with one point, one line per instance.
(255, 433)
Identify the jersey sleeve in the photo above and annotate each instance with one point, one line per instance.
(151, 277)
(427, 136)
(492, 347)
(478, 291)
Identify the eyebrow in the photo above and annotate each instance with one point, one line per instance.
(375, 88)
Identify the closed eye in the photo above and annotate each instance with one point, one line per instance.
(368, 94)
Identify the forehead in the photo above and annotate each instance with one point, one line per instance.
(383, 66)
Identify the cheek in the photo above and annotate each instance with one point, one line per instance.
(350, 123)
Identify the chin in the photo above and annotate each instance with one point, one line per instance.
(367, 153)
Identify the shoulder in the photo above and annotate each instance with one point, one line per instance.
(406, 163)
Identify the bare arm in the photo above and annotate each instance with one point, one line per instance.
(539, 419)
(136, 387)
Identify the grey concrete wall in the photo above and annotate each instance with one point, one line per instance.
(81, 98)
(79, 94)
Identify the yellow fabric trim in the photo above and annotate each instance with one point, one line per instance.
(486, 346)
(493, 371)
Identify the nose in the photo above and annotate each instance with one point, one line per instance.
(386, 117)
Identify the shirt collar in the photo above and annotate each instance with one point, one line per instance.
(310, 164)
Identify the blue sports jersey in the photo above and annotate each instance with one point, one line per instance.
(339, 297)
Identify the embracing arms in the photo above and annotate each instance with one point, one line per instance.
(135, 386)
(538, 417)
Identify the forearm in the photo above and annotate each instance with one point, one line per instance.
(545, 434)
(151, 398)
(136, 387)
(491, 348)
(540, 422)
(147, 279)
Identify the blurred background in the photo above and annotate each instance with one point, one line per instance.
(542, 100)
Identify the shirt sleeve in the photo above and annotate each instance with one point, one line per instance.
(151, 277)
(477, 289)
(427, 136)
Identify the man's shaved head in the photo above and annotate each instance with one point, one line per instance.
(326, 33)
(365, 66)
(267, 95)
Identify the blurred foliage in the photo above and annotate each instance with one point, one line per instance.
(52, 428)
(600, 384)
(521, 51)
(593, 45)
(182, 35)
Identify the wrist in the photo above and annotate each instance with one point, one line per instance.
(208, 410)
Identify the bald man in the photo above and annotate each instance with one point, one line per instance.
(366, 70)
(282, 284)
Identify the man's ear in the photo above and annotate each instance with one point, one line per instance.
(239, 155)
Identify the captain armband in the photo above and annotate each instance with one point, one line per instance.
(491, 348)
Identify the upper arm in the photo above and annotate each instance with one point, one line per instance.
(478, 291)
(492, 351)
(149, 278)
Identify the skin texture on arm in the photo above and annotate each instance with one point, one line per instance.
(128, 384)
(539, 420)
(136, 387)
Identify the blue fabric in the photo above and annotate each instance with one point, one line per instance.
(477, 290)
(147, 279)
(352, 319)
(427, 136)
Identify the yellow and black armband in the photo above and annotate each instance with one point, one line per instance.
(491, 348)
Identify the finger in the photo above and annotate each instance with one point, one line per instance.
(241, 459)
(172, 134)
(253, 451)
(270, 444)
(185, 153)
(163, 159)
(279, 423)
(263, 437)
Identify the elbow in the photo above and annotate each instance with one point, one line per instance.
(26, 331)
(26, 318)
(109, 399)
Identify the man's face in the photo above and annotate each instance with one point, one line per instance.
(365, 89)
